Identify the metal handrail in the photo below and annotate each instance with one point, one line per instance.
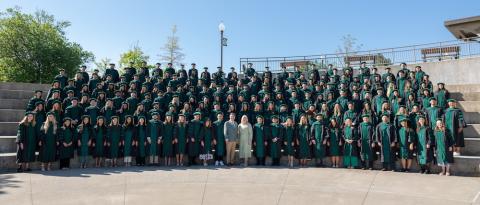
(388, 56)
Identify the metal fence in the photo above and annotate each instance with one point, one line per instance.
(430, 52)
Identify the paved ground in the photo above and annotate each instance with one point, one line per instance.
(246, 186)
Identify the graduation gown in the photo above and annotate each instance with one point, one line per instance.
(27, 135)
(153, 132)
(453, 122)
(113, 137)
(366, 137)
(206, 136)
(319, 134)
(141, 139)
(193, 145)
(67, 135)
(385, 135)
(303, 136)
(289, 141)
(219, 136)
(181, 137)
(49, 140)
(422, 139)
(334, 138)
(99, 138)
(85, 134)
(275, 140)
(167, 139)
(442, 142)
(259, 139)
(350, 150)
(405, 138)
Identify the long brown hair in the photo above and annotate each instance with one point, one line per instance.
(24, 121)
(46, 125)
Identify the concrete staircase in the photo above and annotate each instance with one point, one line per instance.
(14, 97)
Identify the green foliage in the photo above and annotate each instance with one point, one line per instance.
(135, 55)
(34, 47)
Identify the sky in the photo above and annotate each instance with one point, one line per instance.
(254, 28)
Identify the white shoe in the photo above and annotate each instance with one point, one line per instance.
(221, 163)
(216, 163)
(456, 154)
(205, 164)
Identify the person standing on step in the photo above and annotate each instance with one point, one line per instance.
(366, 142)
(303, 140)
(385, 138)
(423, 145)
(48, 142)
(66, 140)
(219, 140)
(114, 133)
(289, 140)
(230, 131)
(193, 144)
(260, 141)
(334, 142)
(455, 123)
(206, 139)
(140, 140)
(26, 142)
(99, 140)
(245, 133)
(275, 137)
(153, 141)
(443, 147)
(405, 142)
(85, 136)
(181, 138)
(350, 150)
(167, 138)
(128, 129)
(319, 134)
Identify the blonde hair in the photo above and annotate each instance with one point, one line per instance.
(46, 125)
(24, 121)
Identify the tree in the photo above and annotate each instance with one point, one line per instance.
(349, 45)
(34, 47)
(135, 55)
(102, 64)
(172, 51)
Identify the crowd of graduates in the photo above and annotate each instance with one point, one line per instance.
(151, 115)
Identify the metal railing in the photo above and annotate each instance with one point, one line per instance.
(429, 52)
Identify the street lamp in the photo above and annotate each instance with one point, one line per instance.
(223, 42)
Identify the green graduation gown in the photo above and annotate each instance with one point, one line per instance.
(114, 135)
(154, 130)
(319, 133)
(259, 137)
(219, 136)
(350, 150)
(194, 129)
(49, 144)
(275, 140)
(181, 137)
(27, 135)
(303, 136)
(167, 139)
(365, 131)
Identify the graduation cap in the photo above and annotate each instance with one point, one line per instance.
(451, 100)
(385, 114)
(100, 117)
(168, 114)
(181, 115)
(113, 117)
(433, 98)
(29, 113)
(274, 116)
(206, 68)
(70, 91)
(388, 68)
(93, 99)
(66, 118)
(197, 113)
(259, 116)
(193, 64)
(57, 101)
(318, 114)
(440, 83)
(421, 116)
(74, 98)
(39, 103)
(85, 116)
(365, 115)
(50, 113)
(154, 113)
(128, 116)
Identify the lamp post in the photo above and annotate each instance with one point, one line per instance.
(223, 42)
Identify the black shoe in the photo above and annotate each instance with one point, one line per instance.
(19, 169)
(28, 170)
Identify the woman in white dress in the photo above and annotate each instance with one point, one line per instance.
(246, 134)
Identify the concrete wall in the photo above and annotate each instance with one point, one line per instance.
(451, 72)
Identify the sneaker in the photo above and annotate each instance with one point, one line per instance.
(456, 153)
(216, 163)
(205, 164)
(221, 163)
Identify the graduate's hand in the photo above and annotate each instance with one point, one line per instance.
(285, 143)
(265, 143)
(450, 149)
(460, 129)
(64, 144)
(393, 144)
(149, 140)
(203, 144)
(373, 144)
(214, 142)
(379, 144)
(40, 143)
(411, 146)
(104, 144)
(119, 144)
(79, 143)
(192, 139)
(93, 144)
(254, 144)
(21, 146)
(428, 146)
(159, 141)
(313, 142)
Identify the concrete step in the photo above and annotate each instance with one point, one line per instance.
(14, 103)
(469, 106)
(7, 144)
(472, 117)
(8, 128)
(11, 115)
(463, 166)
(472, 131)
(472, 147)
(469, 96)
(23, 86)
(17, 94)
(465, 88)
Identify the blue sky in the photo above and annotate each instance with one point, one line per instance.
(254, 28)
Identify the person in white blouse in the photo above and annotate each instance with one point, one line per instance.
(245, 132)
